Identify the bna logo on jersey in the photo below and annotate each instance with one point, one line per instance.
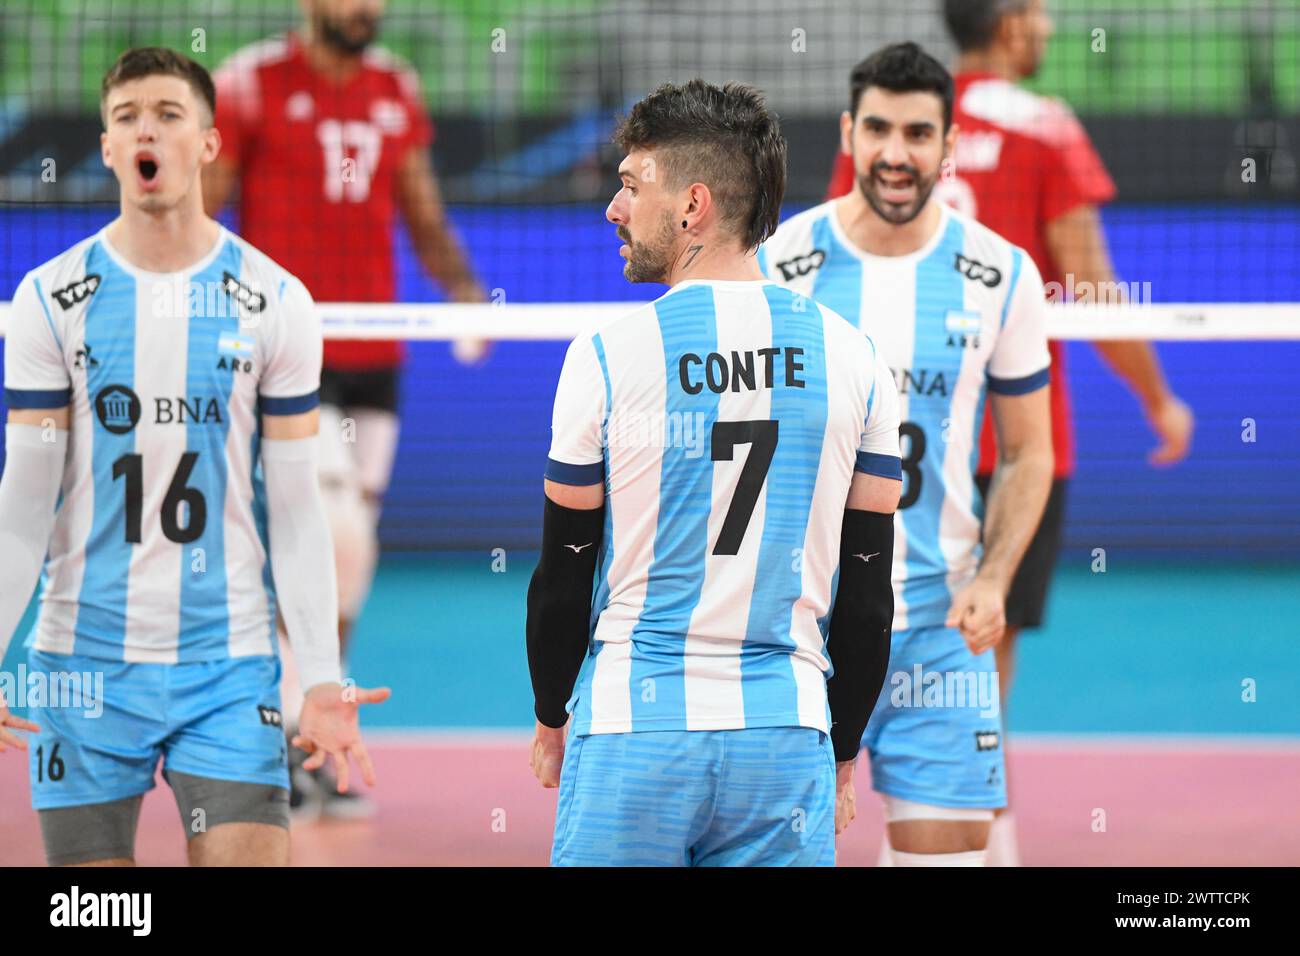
(241, 293)
(118, 409)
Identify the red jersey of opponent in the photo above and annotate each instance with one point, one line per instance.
(1022, 160)
(318, 163)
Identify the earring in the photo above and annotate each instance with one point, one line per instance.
(683, 223)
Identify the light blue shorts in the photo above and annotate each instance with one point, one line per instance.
(217, 719)
(935, 736)
(758, 797)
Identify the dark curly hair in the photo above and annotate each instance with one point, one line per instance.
(724, 137)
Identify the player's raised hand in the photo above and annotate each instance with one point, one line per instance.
(7, 737)
(1173, 423)
(329, 727)
(547, 755)
(979, 612)
(846, 799)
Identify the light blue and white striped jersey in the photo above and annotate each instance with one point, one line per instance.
(159, 550)
(726, 420)
(963, 313)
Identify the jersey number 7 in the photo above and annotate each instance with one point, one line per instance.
(761, 436)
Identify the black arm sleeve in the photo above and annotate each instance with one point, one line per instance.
(559, 606)
(858, 642)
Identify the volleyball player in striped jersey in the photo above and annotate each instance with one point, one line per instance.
(161, 378)
(958, 312)
(715, 455)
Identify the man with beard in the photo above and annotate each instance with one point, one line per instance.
(956, 311)
(328, 137)
(1024, 167)
(714, 456)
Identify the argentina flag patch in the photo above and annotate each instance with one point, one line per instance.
(235, 345)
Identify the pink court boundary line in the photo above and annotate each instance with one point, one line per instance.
(1278, 745)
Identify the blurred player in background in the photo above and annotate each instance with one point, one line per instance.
(148, 370)
(717, 453)
(1025, 168)
(328, 138)
(956, 310)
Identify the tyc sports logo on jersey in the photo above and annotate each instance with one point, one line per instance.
(78, 291)
(241, 293)
(977, 271)
(118, 408)
(792, 269)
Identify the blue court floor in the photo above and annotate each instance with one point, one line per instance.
(1143, 648)
(1147, 649)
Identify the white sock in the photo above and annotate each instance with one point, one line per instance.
(886, 856)
(970, 858)
(1003, 847)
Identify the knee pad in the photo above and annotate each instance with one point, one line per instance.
(897, 809)
(969, 858)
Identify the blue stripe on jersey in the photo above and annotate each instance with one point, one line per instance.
(874, 463)
(767, 678)
(565, 474)
(49, 319)
(582, 713)
(294, 405)
(37, 397)
(110, 330)
(260, 522)
(687, 323)
(838, 283)
(205, 606)
(1016, 257)
(939, 288)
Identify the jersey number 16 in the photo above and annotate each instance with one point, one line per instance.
(131, 467)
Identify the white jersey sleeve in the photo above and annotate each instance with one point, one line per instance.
(36, 375)
(878, 451)
(577, 455)
(1020, 360)
(293, 345)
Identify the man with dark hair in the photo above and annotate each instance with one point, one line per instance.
(1024, 167)
(161, 378)
(715, 455)
(956, 311)
(327, 134)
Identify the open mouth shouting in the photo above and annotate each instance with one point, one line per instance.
(895, 186)
(146, 168)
